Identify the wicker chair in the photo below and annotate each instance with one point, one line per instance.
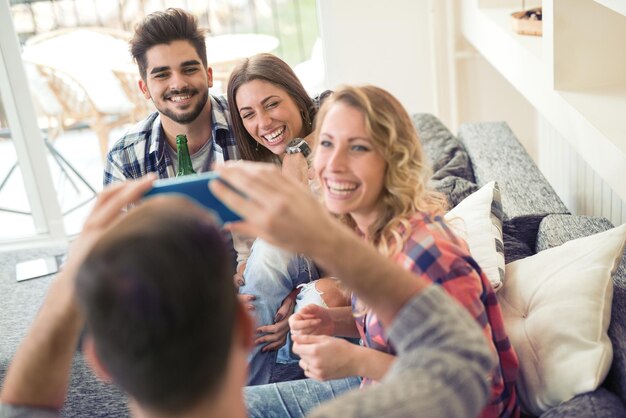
(129, 79)
(77, 66)
(78, 107)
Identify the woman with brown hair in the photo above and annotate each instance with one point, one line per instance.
(272, 117)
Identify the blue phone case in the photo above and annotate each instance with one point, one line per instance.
(196, 187)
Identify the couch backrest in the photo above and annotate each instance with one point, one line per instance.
(496, 154)
(451, 168)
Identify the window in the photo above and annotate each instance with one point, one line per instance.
(50, 171)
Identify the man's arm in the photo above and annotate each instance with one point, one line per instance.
(39, 372)
(283, 212)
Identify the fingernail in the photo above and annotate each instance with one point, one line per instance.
(239, 282)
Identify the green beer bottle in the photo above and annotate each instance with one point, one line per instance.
(184, 160)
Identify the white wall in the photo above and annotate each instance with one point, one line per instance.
(399, 45)
(573, 135)
(386, 43)
(415, 49)
(485, 96)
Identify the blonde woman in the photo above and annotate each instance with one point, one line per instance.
(372, 175)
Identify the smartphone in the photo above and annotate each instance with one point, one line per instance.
(33, 269)
(196, 187)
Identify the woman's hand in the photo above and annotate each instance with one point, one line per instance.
(276, 334)
(276, 208)
(246, 300)
(312, 320)
(295, 166)
(238, 276)
(325, 358)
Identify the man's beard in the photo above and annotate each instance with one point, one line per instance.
(187, 117)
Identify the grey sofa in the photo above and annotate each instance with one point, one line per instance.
(535, 219)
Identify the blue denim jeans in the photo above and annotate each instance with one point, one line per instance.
(270, 275)
(295, 398)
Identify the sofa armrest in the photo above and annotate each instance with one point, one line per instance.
(600, 403)
(496, 154)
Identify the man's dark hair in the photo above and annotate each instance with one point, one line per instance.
(270, 68)
(165, 27)
(160, 304)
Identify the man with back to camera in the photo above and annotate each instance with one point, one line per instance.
(179, 347)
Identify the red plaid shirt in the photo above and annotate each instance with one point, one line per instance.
(435, 253)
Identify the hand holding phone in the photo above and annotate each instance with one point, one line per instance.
(196, 187)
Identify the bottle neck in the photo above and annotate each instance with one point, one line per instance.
(184, 160)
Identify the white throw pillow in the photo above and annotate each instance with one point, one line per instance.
(557, 309)
(478, 220)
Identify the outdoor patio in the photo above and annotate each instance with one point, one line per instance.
(80, 148)
(68, 102)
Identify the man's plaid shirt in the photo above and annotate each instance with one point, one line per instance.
(142, 149)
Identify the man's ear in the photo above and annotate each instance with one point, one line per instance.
(209, 74)
(89, 351)
(245, 325)
(144, 88)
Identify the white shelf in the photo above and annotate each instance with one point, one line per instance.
(501, 17)
(574, 76)
(618, 6)
(601, 109)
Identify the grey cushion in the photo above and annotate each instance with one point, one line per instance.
(519, 236)
(452, 170)
(616, 380)
(598, 404)
(555, 230)
(496, 154)
(514, 249)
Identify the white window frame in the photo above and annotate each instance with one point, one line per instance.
(28, 140)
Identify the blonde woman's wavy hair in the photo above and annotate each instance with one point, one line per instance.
(394, 137)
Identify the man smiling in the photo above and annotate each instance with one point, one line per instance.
(171, 56)
(170, 52)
